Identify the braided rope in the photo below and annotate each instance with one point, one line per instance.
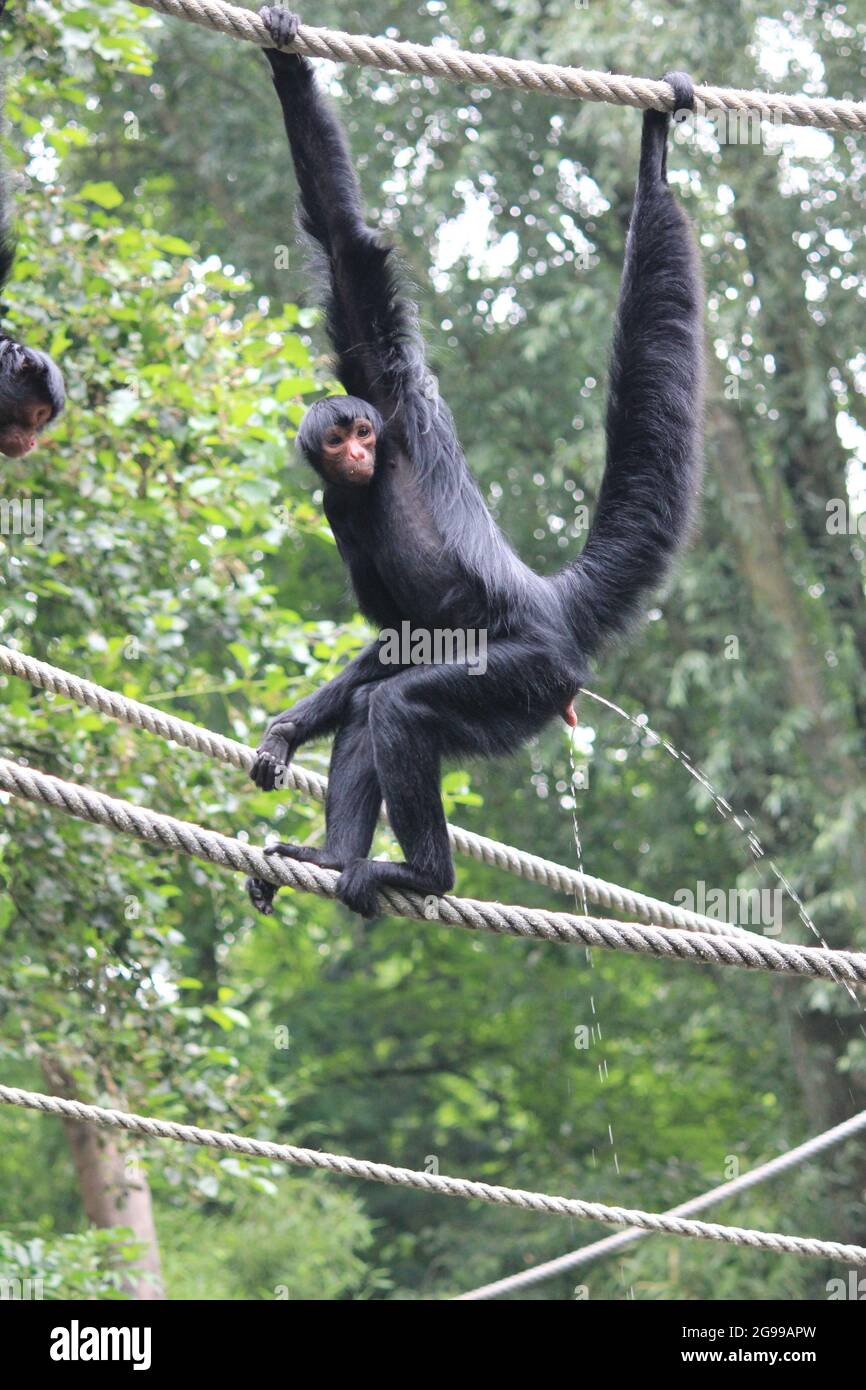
(551, 79)
(749, 952)
(564, 1264)
(430, 1182)
(529, 866)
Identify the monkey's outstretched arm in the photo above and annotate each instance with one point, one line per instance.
(370, 321)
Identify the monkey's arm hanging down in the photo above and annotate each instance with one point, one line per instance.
(31, 386)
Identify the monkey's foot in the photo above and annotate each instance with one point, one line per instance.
(281, 24)
(362, 880)
(357, 887)
(307, 854)
(261, 895)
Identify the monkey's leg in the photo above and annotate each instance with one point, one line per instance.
(423, 714)
(352, 804)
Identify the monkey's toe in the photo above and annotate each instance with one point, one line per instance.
(261, 895)
(684, 90)
(356, 887)
(281, 24)
(306, 854)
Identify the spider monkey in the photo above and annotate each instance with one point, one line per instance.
(414, 532)
(31, 385)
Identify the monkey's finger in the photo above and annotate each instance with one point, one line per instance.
(684, 90)
(262, 772)
(281, 24)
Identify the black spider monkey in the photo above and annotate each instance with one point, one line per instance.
(418, 540)
(31, 385)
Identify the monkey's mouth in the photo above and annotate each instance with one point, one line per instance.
(358, 474)
(15, 446)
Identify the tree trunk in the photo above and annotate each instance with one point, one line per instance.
(114, 1190)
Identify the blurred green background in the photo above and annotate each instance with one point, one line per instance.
(184, 561)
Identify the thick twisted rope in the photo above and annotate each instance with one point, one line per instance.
(430, 1182)
(564, 1264)
(308, 783)
(550, 79)
(749, 952)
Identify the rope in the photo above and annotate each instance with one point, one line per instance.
(431, 1182)
(749, 952)
(588, 1253)
(308, 783)
(551, 79)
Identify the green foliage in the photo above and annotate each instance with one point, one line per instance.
(81, 1265)
(305, 1240)
(184, 561)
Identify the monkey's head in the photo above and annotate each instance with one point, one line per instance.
(31, 396)
(338, 437)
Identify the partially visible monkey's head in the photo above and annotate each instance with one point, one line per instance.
(338, 437)
(31, 396)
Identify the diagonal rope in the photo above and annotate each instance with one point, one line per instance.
(564, 1264)
(550, 79)
(431, 1182)
(748, 952)
(515, 861)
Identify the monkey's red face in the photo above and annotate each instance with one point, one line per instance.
(349, 453)
(18, 435)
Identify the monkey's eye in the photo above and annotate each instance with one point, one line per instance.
(363, 431)
(333, 440)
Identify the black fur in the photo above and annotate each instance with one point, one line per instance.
(419, 541)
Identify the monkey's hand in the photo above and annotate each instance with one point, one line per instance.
(282, 25)
(656, 125)
(285, 735)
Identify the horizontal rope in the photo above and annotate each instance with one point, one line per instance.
(227, 750)
(564, 1264)
(550, 79)
(749, 952)
(430, 1182)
